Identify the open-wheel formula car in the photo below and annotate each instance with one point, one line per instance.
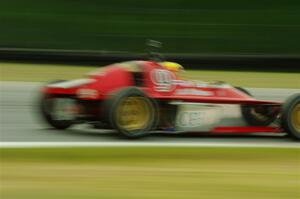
(139, 97)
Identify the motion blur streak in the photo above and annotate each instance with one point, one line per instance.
(81, 162)
(190, 26)
(150, 173)
(144, 144)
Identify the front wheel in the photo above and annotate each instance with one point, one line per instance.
(132, 113)
(291, 116)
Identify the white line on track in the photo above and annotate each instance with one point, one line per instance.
(142, 144)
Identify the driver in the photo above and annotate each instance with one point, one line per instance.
(172, 66)
(175, 68)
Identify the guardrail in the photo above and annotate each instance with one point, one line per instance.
(192, 61)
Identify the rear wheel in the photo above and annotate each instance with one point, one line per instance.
(54, 111)
(291, 116)
(132, 113)
(257, 115)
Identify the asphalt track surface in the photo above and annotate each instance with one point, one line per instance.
(19, 123)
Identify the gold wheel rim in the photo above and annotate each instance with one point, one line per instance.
(296, 117)
(133, 113)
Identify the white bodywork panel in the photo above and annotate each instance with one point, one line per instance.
(71, 83)
(197, 117)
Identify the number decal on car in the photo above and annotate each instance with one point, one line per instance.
(163, 80)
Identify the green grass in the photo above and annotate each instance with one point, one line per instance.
(140, 172)
(49, 72)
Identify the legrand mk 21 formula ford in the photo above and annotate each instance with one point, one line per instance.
(139, 97)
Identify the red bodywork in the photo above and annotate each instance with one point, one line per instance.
(161, 84)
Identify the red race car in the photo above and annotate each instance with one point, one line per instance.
(138, 97)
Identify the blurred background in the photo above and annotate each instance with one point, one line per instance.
(183, 26)
(253, 44)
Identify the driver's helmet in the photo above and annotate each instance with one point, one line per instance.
(172, 66)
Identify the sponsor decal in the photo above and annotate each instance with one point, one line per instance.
(192, 91)
(190, 119)
(197, 84)
(87, 93)
(163, 80)
(183, 83)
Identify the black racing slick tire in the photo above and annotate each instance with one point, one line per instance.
(131, 112)
(46, 109)
(257, 115)
(291, 116)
